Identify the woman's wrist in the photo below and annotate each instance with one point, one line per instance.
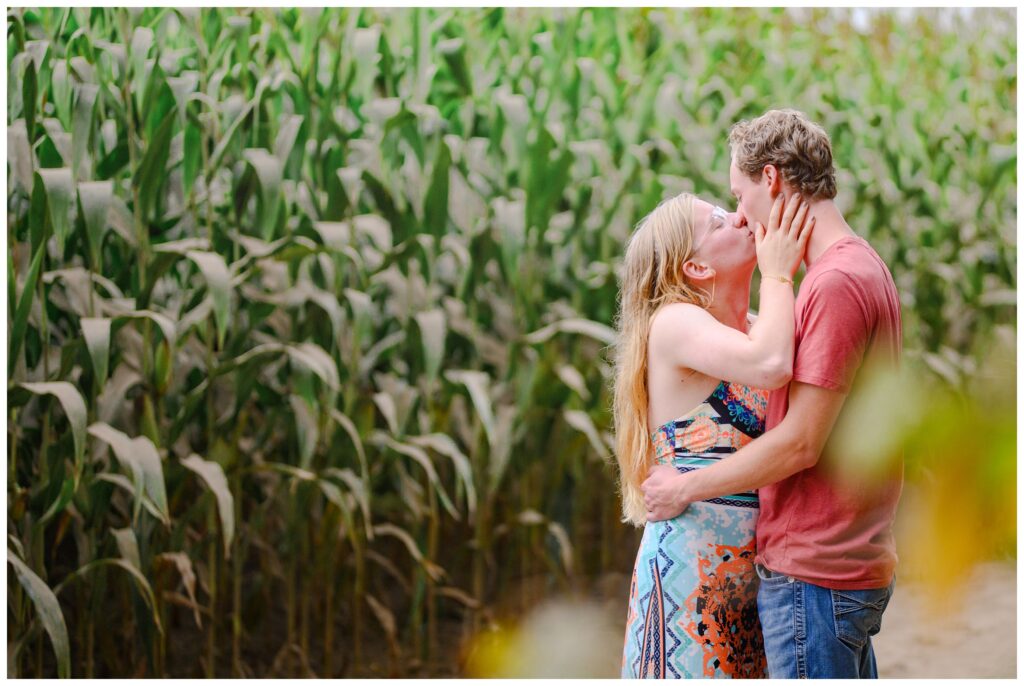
(777, 277)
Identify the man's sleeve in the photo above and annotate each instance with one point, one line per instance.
(834, 333)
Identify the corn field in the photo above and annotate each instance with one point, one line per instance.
(309, 310)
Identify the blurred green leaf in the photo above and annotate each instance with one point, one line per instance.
(55, 189)
(268, 170)
(212, 475)
(48, 611)
(152, 170)
(17, 337)
(74, 409)
(94, 199)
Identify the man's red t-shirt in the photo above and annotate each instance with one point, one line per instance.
(813, 526)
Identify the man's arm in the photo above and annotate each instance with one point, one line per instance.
(792, 446)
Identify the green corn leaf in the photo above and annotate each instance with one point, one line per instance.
(67, 492)
(19, 154)
(435, 205)
(432, 333)
(329, 304)
(165, 255)
(350, 428)
(96, 331)
(306, 427)
(225, 142)
(74, 408)
(152, 172)
(193, 156)
(419, 456)
(386, 619)
(12, 285)
(24, 307)
(435, 572)
(574, 380)
(60, 82)
(268, 170)
(29, 93)
(82, 127)
(183, 564)
(386, 404)
(48, 610)
(334, 235)
(218, 281)
(478, 384)
(126, 485)
(114, 161)
(335, 496)
(55, 148)
(212, 475)
(286, 137)
(128, 546)
(59, 189)
(561, 536)
(182, 87)
(125, 453)
(166, 326)
(153, 474)
(454, 52)
(141, 42)
(294, 472)
(360, 492)
(94, 198)
(582, 422)
(596, 330)
(158, 100)
(445, 445)
(315, 359)
(145, 590)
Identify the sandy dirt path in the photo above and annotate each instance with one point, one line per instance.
(975, 638)
(978, 639)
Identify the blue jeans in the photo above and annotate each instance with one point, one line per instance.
(818, 633)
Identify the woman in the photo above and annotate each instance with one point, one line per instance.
(690, 368)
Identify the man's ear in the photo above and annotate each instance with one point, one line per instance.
(697, 271)
(771, 174)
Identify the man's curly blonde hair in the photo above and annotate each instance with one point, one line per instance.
(796, 146)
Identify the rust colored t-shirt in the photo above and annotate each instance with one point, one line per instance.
(816, 525)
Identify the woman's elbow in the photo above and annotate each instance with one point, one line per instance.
(777, 372)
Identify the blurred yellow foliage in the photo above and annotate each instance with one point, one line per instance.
(560, 639)
(958, 441)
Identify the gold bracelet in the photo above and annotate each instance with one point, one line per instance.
(783, 279)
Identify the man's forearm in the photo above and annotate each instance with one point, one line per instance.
(772, 457)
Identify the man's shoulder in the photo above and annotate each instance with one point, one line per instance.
(851, 264)
(828, 281)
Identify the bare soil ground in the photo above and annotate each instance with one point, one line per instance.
(973, 638)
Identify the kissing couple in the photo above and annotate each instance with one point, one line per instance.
(759, 558)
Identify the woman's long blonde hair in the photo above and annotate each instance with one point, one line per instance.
(652, 276)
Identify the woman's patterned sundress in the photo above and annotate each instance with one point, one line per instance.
(693, 597)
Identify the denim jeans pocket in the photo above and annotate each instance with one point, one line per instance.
(770, 578)
(858, 614)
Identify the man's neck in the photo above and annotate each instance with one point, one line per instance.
(829, 229)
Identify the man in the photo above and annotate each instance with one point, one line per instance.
(826, 554)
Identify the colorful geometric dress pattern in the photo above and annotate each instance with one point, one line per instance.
(693, 596)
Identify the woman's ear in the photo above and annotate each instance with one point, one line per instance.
(774, 178)
(698, 271)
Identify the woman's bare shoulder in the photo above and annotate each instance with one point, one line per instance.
(675, 320)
